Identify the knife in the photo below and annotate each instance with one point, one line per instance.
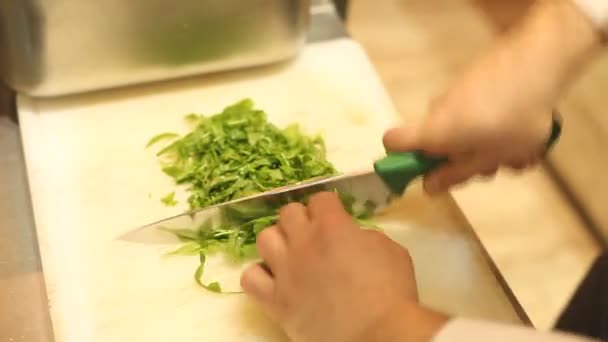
(364, 187)
(391, 176)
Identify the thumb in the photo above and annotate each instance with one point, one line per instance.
(403, 139)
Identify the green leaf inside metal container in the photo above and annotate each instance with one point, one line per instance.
(200, 34)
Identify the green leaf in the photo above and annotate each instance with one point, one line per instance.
(169, 200)
(368, 224)
(170, 149)
(213, 287)
(249, 251)
(161, 137)
(189, 249)
(198, 275)
(183, 234)
(369, 208)
(192, 118)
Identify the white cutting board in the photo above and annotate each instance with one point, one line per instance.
(92, 180)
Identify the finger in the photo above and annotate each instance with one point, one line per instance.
(533, 161)
(272, 247)
(294, 222)
(452, 174)
(519, 166)
(433, 139)
(532, 164)
(327, 210)
(523, 164)
(402, 139)
(489, 172)
(258, 284)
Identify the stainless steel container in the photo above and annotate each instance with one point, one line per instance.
(58, 47)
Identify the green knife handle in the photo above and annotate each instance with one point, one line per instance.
(397, 170)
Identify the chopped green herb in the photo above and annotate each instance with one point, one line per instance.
(192, 118)
(237, 153)
(190, 248)
(169, 200)
(236, 234)
(160, 137)
(212, 287)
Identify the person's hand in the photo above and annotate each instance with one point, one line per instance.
(482, 123)
(326, 279)
(499, 112)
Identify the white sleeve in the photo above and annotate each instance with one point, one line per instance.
(459, 330)
(597, 10)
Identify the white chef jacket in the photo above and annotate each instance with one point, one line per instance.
(597, 10)
(466, 330)
(460, 329)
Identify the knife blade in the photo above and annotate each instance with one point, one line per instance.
(391, 176)
(389, 179)
(362, 187)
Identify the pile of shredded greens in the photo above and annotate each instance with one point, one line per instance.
(234, 154)
(237, 153)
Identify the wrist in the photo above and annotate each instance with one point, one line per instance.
(408, 323)
(556, 40)
(422, 324)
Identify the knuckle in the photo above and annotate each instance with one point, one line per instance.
(405, 253)
(323, 197)
(331, 220)
(267, 237)
(434, 142)
(388, 140)
(331, 225)
(439, 177)
(489, 172)
(288, 209)
(456, 174)
(247, 277)
(378, 237)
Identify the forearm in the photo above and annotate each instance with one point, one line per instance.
(537, 59)
(418, 324)
(408, 323)
(556, 39)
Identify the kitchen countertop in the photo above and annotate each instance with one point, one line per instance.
(24, 314)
